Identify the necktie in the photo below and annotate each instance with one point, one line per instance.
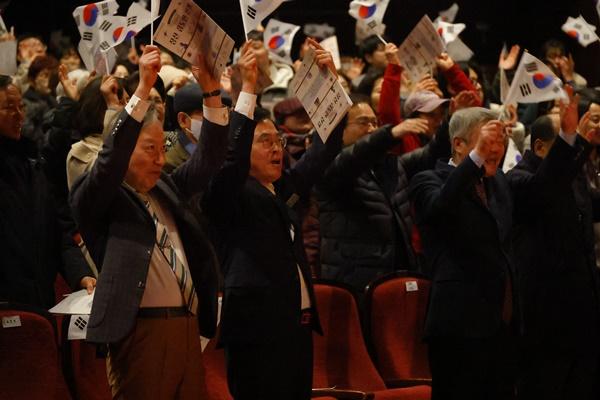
(480, 190)
(177, 266)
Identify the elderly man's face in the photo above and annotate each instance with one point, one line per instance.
(11, 113)
(434, 119)
(147, 158)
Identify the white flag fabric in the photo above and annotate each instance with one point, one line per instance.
(154, 8)
(448, 15)
(255, 11)
(534, 82)
(579, 29)
(278, 39)
(90, 16)
(138, 17)
(321, 31)
(447, 31)
(459, 51)
(370, 12)
(362, 31)
(512, 156)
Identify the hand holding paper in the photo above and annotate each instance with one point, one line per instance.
(444, 62)
(200, 70)
(248, 68)
(88, 283)
(323, 58)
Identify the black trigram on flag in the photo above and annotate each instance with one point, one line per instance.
(87, 36)
(586, 37)
(288, 32)
(105, 9)
(105, 25)
(372, 24)
(104, 46)
(525, 89)
(132, 20)
(531, 67)
(80, 323)
(281, 53)
(450, 29)
(251, 12)
(275, 29)
(577, 26)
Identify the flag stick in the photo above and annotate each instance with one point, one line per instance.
(106, 62)
(151, 24)
(382, 39)
(133, 43)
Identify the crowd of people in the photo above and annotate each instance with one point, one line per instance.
(160, 186)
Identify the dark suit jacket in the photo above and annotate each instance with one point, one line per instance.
(553, 244)
(120, 233)
(262, 286)
(468, 243)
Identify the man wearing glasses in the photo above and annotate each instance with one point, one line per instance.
(363, 200)
(269, 309)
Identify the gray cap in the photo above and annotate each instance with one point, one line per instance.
(423, 101)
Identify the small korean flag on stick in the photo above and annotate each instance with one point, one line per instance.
(579, 29)
(370, 12)
(278, 39)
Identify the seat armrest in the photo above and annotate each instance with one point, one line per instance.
(342, 394)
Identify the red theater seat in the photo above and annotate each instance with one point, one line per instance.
(30, 366)
(396, 306)
(341, 359)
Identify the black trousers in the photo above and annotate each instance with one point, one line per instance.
(280, 368)
(473, 368)
(553, 374)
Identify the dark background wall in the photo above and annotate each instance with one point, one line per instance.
(489, 23)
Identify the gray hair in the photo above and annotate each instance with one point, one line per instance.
(463, 121)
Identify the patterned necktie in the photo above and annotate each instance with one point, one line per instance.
(177, 266)
(480, 190)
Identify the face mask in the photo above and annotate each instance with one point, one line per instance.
(196, 128)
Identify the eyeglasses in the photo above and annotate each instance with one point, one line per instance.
(268, 141)
(13, 108)
(365, 121)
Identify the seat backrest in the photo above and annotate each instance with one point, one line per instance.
(85, 372)
(396, 305)
(30, 366)
(340, 355)
(215, 371)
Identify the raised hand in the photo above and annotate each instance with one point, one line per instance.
(68, 85)
(464, 99)
(149, 66)
(428, 83)
(411, 125)
(109, 89)
(356, 68)
(588, 130)
(491, 136)
(509, 60)
(444, 62)
(569, 117)
(248, 68)
(391, 53)
(204, 77)
(567, 68)
(323, 57)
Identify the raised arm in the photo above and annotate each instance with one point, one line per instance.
(221, 199)
(389, 102)
(93, 193)
(194, 175)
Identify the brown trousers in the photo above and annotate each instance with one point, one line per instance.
(161, 359)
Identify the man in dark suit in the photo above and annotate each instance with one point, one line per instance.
(269, 308)
(158, 283)
(34, 247)
(465, 208)
(553, 244)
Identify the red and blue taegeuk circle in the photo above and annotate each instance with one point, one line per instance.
(276, 42)
(573, 33)
(367, 12)
(90, 14)
(542, 81)
(117, 33)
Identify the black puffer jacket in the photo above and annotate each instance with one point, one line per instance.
(364, 209)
